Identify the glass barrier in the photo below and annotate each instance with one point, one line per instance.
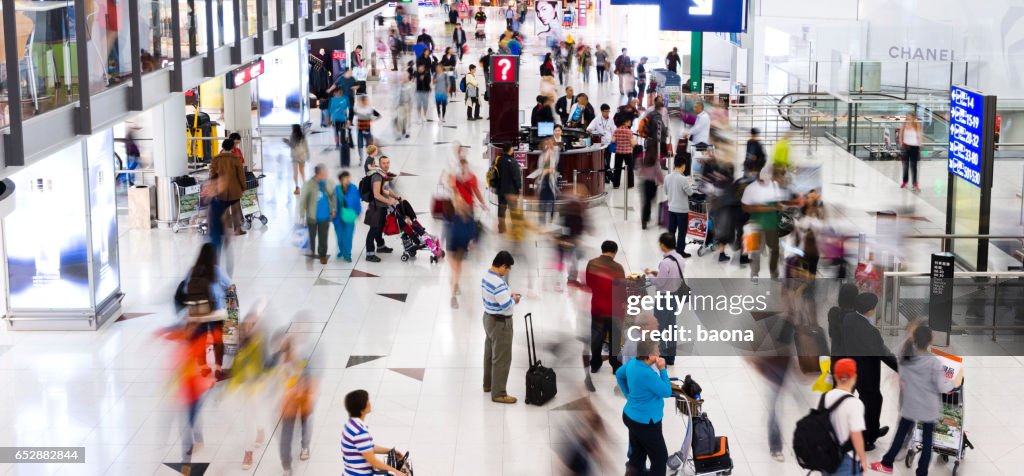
(107, 23)
(45, 55)
(155, 35)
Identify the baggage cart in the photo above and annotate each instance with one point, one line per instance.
(700, 225)
(948, 439)
(189, 205)
(682, 461)
(670, 87)
(250, 201)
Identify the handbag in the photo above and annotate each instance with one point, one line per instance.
(391, 225)
(348, 215)
(300, 236)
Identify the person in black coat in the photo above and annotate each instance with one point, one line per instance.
(509, 182)
(542, 111)
(863, 342)
(755, 158)
(847, 298)
(459, 38)
(564, 103)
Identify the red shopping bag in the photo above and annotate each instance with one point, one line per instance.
(391, 225)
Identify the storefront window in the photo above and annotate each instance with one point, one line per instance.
(194, 24)
(45, 52)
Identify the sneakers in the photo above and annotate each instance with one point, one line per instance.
(304, 454)
(744, 259)
(903, 185)
(247, 460)
(296, 190)
(881, 468)
(722, 257)
(373, 258)
(777, 456)
(455, 302)
(917, 188)
(384, 249)
(506, 399)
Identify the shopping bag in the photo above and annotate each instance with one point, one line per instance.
(751, 239)
(300, 236)
(823, 384)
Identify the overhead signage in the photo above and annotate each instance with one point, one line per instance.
(635, 2)
(967, 117)
(504, 69)
(940, 293)
(244, 74)
(703, 15)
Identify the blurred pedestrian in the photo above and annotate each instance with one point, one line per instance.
(441, 93)
(678, 189)
(462, 224)
(296, 404)
(601, 274)
(226, 165)
(206, 286)
(365, 114)
(349, 206)
(299, 147)
(669, 280)
(317, 207)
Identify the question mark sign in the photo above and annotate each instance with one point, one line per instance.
(505, 65)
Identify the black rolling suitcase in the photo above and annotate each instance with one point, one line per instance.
(540, 380)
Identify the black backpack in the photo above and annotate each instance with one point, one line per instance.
(703, 435)
(815, 442)
(366, 188)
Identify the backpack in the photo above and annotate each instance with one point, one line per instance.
(197, 295)
(703, 435)
(493, 176)
(366, 188)
(462, 84)
(815, 442)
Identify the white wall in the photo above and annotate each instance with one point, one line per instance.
(830, 9)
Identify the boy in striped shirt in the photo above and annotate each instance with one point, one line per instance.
(498, 304)
(357, 448)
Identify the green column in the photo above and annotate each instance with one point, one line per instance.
(696, 60)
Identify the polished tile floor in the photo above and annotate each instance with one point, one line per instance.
(388, 328)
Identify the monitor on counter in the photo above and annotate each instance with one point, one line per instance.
(545, 129)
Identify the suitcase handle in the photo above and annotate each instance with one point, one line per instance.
(531, 340)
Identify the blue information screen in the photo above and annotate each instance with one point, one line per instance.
(703, 15)
(966, 133)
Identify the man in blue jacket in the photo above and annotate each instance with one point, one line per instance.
(644, 382)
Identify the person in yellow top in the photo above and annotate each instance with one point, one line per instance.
(780, 155)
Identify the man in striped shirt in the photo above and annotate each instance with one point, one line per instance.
(498, 304)
(357, 448)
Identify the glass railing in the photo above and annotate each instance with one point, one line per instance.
(45, 54)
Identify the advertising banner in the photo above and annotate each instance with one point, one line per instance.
(548, 24)
(45, 237)
(103, 215)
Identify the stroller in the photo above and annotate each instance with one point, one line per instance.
(401, 220)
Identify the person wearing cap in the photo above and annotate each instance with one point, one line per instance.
(847, 419)
(863, 342)
(755, 159)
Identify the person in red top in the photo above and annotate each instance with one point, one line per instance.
(465, 183)
(461, 225)
(601, 274)
(237, 151)
(624, 141)
(192, 384)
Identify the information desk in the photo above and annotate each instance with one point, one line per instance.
(581, 169)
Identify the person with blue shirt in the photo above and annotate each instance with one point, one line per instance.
(338, 109)
(317, 205)
(645, 384)
(499, 302)
(349, 206)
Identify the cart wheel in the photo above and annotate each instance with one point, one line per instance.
(412, 253)
(175, 227)
(247, 224)
(405, 257)
(945, 459)
(203, 229)
(703, 250)
(956, 466)
(264, 220)
(909, 460)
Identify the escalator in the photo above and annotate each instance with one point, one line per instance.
(785, 105)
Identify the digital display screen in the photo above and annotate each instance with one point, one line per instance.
(966, 134)
(545, 129)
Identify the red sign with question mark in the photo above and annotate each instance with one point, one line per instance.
(504, 69)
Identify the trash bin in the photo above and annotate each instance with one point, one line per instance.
(140, 207)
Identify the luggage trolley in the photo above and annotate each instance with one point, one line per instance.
(700, 225)
(188, 204)
(670, 87)
(948, 439)
(250, 201)
(682, 461)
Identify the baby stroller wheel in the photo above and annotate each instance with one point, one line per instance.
(263, 219)
(405, 256)
(945, 458)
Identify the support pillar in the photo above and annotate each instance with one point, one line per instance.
(696, 60)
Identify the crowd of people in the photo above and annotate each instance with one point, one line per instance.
(749, 197)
